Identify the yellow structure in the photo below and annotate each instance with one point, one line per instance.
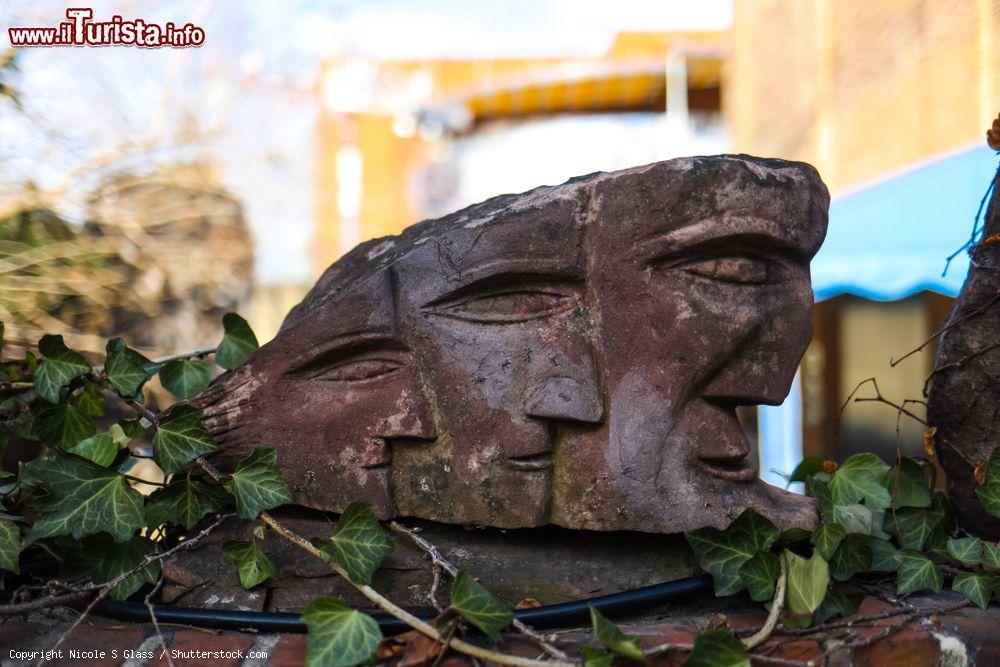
(382, 123)
(825, 81)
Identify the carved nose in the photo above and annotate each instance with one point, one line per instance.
(566, 398)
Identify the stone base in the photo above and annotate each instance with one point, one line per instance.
(548, 564)
(967, 636)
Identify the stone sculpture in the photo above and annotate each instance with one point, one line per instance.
(572, 355)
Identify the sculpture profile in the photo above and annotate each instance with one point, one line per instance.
(573, 355)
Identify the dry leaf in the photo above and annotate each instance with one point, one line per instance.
(993, 135)
(829, 466)
(528, 603)
(416, 649)
(980, 472)
(929, 447)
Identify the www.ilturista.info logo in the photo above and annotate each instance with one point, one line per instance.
(81, 30)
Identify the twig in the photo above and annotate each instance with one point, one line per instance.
(143, 481)
(105, 589)
(968, 316)
(772, 618)
(45, 602)
(381, 601)
(438, 560)
(156, 624)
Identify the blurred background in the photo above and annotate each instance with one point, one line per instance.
(144, 192)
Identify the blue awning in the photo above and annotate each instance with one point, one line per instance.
(889, 240)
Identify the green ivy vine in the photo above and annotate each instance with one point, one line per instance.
(75, 510)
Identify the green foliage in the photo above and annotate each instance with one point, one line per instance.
(183, 503)
(62, 425)
(126, 369)
(61, 366)
(257, 484)
(861, 477)
(978, 587)
(595, 656)
(338, 635)
(185, 377)
(181, 438)
(717, 648)
(837, 604)
(852, 556)
(81, 499)
(100, 559)
(10, 543)
(237, 343)
(991, 556)
(989, 492)
(885, 557)
(359, 544)
(476, 605)
(616, 641)
(810, 465)
(759, 575)
(966, 550)
(252, 565)
(917, 573)
(723, 552)
(806, 587)
(101, 449)
(916, 524)
(911, 489)
(827, 538)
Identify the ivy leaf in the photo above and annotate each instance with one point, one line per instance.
(759, 575)
(183, 503)
(82, 499)
(852, 556)
(793, 536)
(989, 492)
(10, 545)
(185, 377)
(257, 484)
(100, 559)
(862, 477)
(837, 604)
(62, 425)
(977, 587)
(917, 523)
(912, 489)
(338, 635)
(237, 343)
(723, 552)
(614, 639)
(101, 449)
(251, 563)
(966, 550)
(60, 367)
(127, 370)
(359, 544)
(855, 518)
(717, 648)
(991, 556)
(807, 583)
(917, 573)
(592, 656)
(476, 605)
(885, 557)
(810, 465)
(90, 400)
(180, 438)
(827, 538)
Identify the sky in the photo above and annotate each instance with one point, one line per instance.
(246, 99)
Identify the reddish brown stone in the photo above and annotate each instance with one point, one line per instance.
(573, 355)
(224, 649)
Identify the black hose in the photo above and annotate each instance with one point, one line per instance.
(566, 614)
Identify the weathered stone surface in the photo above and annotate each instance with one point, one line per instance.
(549, 564)
(965, 384)
(572, 355)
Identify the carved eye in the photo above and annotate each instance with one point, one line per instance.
(741, 269)
(359, 369)
(504, 307)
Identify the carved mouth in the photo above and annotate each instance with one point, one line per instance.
(724, 445)
(531, 462)
(743, 470)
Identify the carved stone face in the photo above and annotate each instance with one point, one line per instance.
(573, 355)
